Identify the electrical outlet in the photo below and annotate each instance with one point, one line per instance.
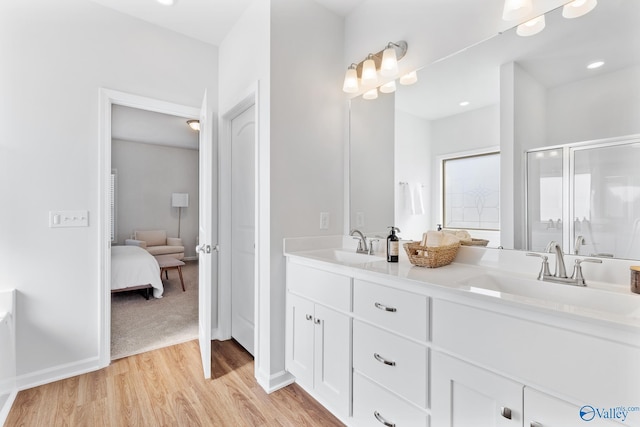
(359, 219)
(324, 220)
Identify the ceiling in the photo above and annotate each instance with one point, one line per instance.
(205, 20)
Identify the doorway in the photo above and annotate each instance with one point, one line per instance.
(108, 98)
(153, 157)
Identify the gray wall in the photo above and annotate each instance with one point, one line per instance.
(146, 176)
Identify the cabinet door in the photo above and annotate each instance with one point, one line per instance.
(542, 410)
(464, 395)
(299, 339)
(332, 379)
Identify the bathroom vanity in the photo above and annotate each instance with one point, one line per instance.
(478, 342)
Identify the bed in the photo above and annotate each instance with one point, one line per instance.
(134, 268)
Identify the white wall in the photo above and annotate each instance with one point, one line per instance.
(146, 176)
(307, 119)
(61, 53)
(413, 166)
(600, 107)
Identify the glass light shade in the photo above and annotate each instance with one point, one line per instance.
(389, 65)
(578, 8)
(388, 87)
(409, 79)
(531, 27)
(516, 9)
(350, 84)
(369, 73)
(194, 124)
(371, 94)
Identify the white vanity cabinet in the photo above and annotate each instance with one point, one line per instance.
(318, 335)
(464, 395)
(390, 356)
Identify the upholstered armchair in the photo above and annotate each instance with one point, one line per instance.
(156, 243)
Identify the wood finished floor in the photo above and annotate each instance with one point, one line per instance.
(165, 387)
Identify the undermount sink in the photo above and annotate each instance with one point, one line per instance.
(344, 256)
(556, 295)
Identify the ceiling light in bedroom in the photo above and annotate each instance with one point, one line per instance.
(194, 124)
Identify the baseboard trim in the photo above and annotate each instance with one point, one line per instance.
(191, 258)
(6, 407)
(271, 383)
(57, 373)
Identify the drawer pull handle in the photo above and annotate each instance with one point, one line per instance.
(381, 419)
(385, 308)
(383, 360)
(317, 321)
(505, 412)
(309, 317)
(535, 424)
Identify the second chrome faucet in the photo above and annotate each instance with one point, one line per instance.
(560, 274)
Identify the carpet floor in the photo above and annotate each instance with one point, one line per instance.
(138, 325)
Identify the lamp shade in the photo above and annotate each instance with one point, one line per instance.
(388, 87)
(350, 84)
(409, 78)
(531, 27)
(577, 8)
(516, 9)
(370, 94)
(180, 200)
(194, 124)
(389, 64)
(369, 72)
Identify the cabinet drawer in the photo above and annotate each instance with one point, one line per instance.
(403, 312)
(394, 362)
(370, 399)
(321, 286)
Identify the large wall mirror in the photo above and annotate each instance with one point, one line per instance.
(511, 94)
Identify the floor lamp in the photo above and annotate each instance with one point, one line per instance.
(179, 200)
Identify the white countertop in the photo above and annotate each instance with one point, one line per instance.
(601, 305)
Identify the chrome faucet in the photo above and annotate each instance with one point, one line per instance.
(561, 270)
(363, 248)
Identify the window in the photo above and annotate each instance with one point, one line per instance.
(471, 192)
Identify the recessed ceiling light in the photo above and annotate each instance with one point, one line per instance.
(596, 64)
(464, 103)
(166, 2)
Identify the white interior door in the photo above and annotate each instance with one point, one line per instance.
(243, 229)
(206, 248)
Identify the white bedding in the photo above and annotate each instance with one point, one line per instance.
(134, 266)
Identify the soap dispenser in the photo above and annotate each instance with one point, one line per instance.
(393, 245)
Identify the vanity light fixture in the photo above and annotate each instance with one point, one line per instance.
(194, 124)
(409, 78)
(596, 64)
(385, 61)
(531, 27)
(516, 9)
(389, 87)
(577, 8)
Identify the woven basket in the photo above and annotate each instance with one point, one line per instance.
(432, 257)
(476, 242)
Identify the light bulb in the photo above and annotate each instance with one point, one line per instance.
(369, 72)
(350, 84)
(388, 87)
(371, 94)
(409, 79)
(389, 65)
(577, 8)
(531, 27)
(516, 9)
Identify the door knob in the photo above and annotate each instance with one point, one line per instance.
(205, 249)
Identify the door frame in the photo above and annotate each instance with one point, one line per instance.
(224, 234)
(108, 98)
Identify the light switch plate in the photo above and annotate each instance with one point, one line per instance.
(68, 219)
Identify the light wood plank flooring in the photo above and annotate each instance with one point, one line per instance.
(165, 387)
